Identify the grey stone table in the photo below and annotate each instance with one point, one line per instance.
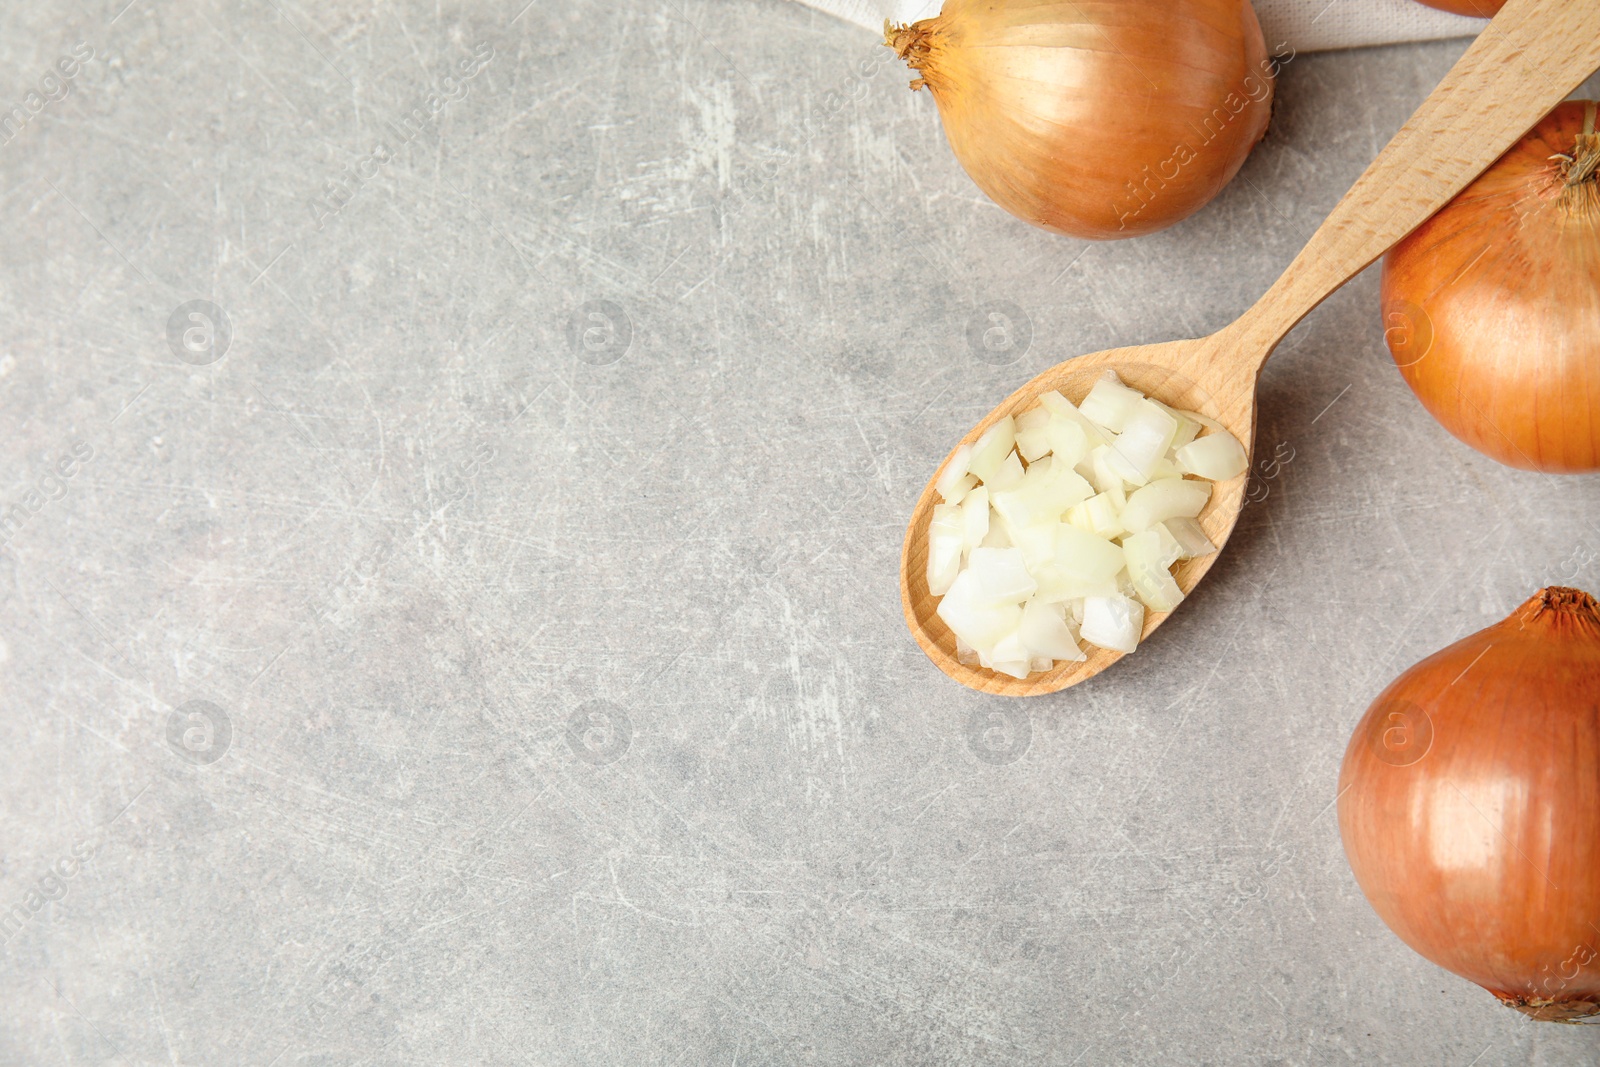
(470, 633)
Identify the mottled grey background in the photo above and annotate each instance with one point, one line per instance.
(531, 548)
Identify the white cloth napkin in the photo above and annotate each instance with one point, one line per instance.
(1304, 25)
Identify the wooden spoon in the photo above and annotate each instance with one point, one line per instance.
(1528, 60)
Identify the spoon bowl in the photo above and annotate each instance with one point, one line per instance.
(1165, 371)
(1530, 57)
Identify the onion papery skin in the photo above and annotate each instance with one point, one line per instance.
(1478, 9)
(1099, 119)
(1492, 307)
(1469, 805)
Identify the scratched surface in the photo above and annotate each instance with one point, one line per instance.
(470, 634)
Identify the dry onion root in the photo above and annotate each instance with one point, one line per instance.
(1493, 305)
(1096, 118)
(1469, 804)
(1063, 525)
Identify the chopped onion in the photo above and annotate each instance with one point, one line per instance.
(1112, 622)
(980, 625)
(1033, 443)
(1009, 473)
(1110, 403)
(997, 536)
(1148, 561)
(1100, 514)
(1188, 427)
(1168, 551)
(1040, 498)
(1065, 410)
(1106, 478)
(1061, 526)
(1146, 436)
(1217, 456)
(1086, 557)
(953, 473)
(966, 655)
(1011, 657)
(1068, 441)
(974, 518)
(1001, 574)
(962, 488)
(1044, 631)
(1032, 419)
(1164, 499)
(1192, 541)
(1037, 545)
(992, 449)
(1058, 587)
(944, 548)
(1165, 468)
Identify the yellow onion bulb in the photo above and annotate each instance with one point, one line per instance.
(1096, 118)
(1492, 307)
(1469, 805)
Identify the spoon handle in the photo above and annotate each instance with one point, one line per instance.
(1530, 57)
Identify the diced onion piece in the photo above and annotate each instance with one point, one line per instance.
(980, 625)
(1057, 483)
(1208, 423)
(1105, 478)
(954, 471)
(1009, 473)
(1044, 632)
(1110, 404)
(1164, 499)
(992, 450)
(1147, 433)
(1188, 429)
(1165, 468)
(1151, 579)
(963, 487)
(975, 518)
(1191, 539)
(1217, 456)
(1010, 656)
(1084, 556)
(1170, 552)
(1062, 408)
(997, 536)
(1059, 587)
(1122, 469)
(1112, 622)
(966, 655)
(1033, 418)
(1085, 470)
(1042, 470)
(1100, 515)
(1002, 575)
(1069, 439)
(1037, 545)
(1033, 443)
(1041, 498)
(944, 548)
